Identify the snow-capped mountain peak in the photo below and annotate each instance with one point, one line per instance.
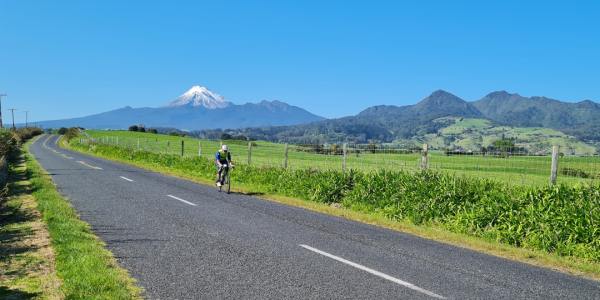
(200, 96)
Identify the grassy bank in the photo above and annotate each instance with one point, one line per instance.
(27, 264)
(86, 268)
(551, 226)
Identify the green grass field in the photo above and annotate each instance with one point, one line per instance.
(521, 170)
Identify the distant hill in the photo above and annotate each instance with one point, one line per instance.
(196, 109)
(463, 134)
(567, 123)
(383, 123)
(580, 119)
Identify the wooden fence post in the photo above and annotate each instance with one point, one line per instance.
(138, 144)
(424, 157)
(199, 149)
(285, 161)
(249, 153)
(182, 148)
(345, 150)
(554, 167)
(117, 141)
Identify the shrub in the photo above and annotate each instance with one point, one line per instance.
(71, 133)
(62, 130)
(133, 128)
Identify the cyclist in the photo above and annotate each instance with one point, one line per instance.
(223, 161)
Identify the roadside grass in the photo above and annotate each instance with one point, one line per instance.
(87, 269)
(247, 182)
(27, 265)
(515, 170)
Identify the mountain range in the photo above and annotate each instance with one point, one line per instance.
(388, 123)
(198, 108)
(434, 118)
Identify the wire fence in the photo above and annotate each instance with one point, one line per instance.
(514, 166)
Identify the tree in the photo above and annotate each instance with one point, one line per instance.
(226, 136)
(372, 148)
(505, 146)
(141, 129)
(152, 130)
(62, 130)
(133, 128)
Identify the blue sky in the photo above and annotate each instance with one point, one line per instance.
(63, 59)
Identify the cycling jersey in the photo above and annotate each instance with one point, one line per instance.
(222, 156)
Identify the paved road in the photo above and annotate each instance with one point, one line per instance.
(182, 240)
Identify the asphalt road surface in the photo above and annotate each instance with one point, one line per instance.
(182, 240)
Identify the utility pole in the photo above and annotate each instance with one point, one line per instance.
(1, 124)
(26, 119)
(12, 111)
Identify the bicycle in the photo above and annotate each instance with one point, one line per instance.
(225, 178)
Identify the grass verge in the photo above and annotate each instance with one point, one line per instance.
(27, 265)
(430, 230)
(87, 269)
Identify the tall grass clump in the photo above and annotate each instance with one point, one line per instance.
(561, 219)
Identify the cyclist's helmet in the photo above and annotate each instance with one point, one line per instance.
(224, 148)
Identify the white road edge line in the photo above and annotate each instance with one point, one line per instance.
(89, 166)
(125, 178)
(374, 272)
(46, 141)
(179, 199)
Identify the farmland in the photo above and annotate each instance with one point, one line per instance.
(556, 219)
(519, 170)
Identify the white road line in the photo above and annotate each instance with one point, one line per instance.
(46, 141)
(125, 178)
(179, 199)
(374, 272)
(89, 166)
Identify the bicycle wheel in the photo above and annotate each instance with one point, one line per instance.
(228, 182)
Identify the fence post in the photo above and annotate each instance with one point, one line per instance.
(345, 149)
(138, 144)
(117, 141)
(424, 157)
(249, 152)
(168, 147)
(285, 156)
(182, 148)
(554, 168)
(199, 149)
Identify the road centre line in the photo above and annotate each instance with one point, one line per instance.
(89, 166)
(374, 272)
(179, 199)
(125, 178)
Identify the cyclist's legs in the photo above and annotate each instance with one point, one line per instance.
(219, 172)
